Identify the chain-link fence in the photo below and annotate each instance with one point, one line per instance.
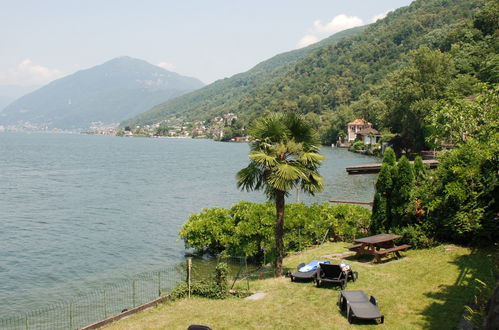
(98, 305)
(121, 296)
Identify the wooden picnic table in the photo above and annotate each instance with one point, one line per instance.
(378, 246)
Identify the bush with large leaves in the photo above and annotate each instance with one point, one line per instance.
(247, 229)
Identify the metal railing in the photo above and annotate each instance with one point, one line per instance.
(114, 299)
(98, 305)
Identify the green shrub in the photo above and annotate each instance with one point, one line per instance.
(401, 197)
(221, 280)
(415, 236)
(461, 198)
(215, 288)
(247, 229)
(420, 171)
(357, 145)
(389, 157)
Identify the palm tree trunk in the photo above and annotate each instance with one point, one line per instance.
(279, 232)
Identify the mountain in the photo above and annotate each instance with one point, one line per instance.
(392, 73)
(338, 74)
(223, 96)
(10, 93)
(107, 93)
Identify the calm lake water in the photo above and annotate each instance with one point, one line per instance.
(79, 211)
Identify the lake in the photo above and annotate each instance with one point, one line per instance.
(80, 211)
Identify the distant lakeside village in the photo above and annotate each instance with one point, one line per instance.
(359, 134)
(226, 128)
(219, 128)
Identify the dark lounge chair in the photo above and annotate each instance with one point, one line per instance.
(306, 275)
(303, 276)
(358, 306)
(198, 327)
(331, 273)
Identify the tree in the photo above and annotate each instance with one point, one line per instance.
(456, 120)
(403, 185)
(389, 157)
(283, 155)
(411, 92)
(462, 198)
(381, 215)
(420, 172)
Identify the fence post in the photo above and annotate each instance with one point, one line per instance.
(325, 236)
(189, 268)
(27, 322)
(133, 293)
(246, 271)
(71, 325)
(105, 304)
(159, 284)
(299, 239)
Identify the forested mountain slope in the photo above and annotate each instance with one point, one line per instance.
(393, 74)
(338, 74)
(224, 95)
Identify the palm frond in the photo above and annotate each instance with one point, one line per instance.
(250, 177)
(311, 158)
(280, 183)
(268, 160)
(271, 128)
(288, 172)
(283, 155)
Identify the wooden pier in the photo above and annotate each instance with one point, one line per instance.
(351, 202)
(375, 168)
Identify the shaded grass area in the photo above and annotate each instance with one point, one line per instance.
(423, 289)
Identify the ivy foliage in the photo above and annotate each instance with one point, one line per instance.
(247, 229)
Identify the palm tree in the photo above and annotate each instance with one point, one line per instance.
(283, 155)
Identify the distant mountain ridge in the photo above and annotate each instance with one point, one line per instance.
(10, 93)
(339, 79)
(109, 93)
(224, 95)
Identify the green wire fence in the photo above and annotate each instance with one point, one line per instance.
(114, 299)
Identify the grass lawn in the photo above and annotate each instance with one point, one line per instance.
(425, 289)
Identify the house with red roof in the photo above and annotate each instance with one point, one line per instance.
(361, 129)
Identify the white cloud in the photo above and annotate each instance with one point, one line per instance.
(166, 65)
(307, 40)
(337, 24)
(27, 73)
(379, 16)
(319, 30)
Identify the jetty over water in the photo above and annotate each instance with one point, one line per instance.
(375, 168)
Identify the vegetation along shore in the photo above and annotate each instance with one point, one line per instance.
(423, 80)
(426, 78)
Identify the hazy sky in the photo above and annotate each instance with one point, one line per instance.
(44, 40)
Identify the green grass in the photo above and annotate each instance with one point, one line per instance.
(425, 289)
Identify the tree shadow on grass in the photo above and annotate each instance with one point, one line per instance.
(369, 259)
(451, 299)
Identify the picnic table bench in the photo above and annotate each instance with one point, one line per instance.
(354, 248)
(395, 249)
(378, 246)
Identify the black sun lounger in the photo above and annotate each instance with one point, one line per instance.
(198, 327)
(303, 276)
(331, 273)
(358, 306)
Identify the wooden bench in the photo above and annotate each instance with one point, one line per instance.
(354, 247)
(395, 249)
